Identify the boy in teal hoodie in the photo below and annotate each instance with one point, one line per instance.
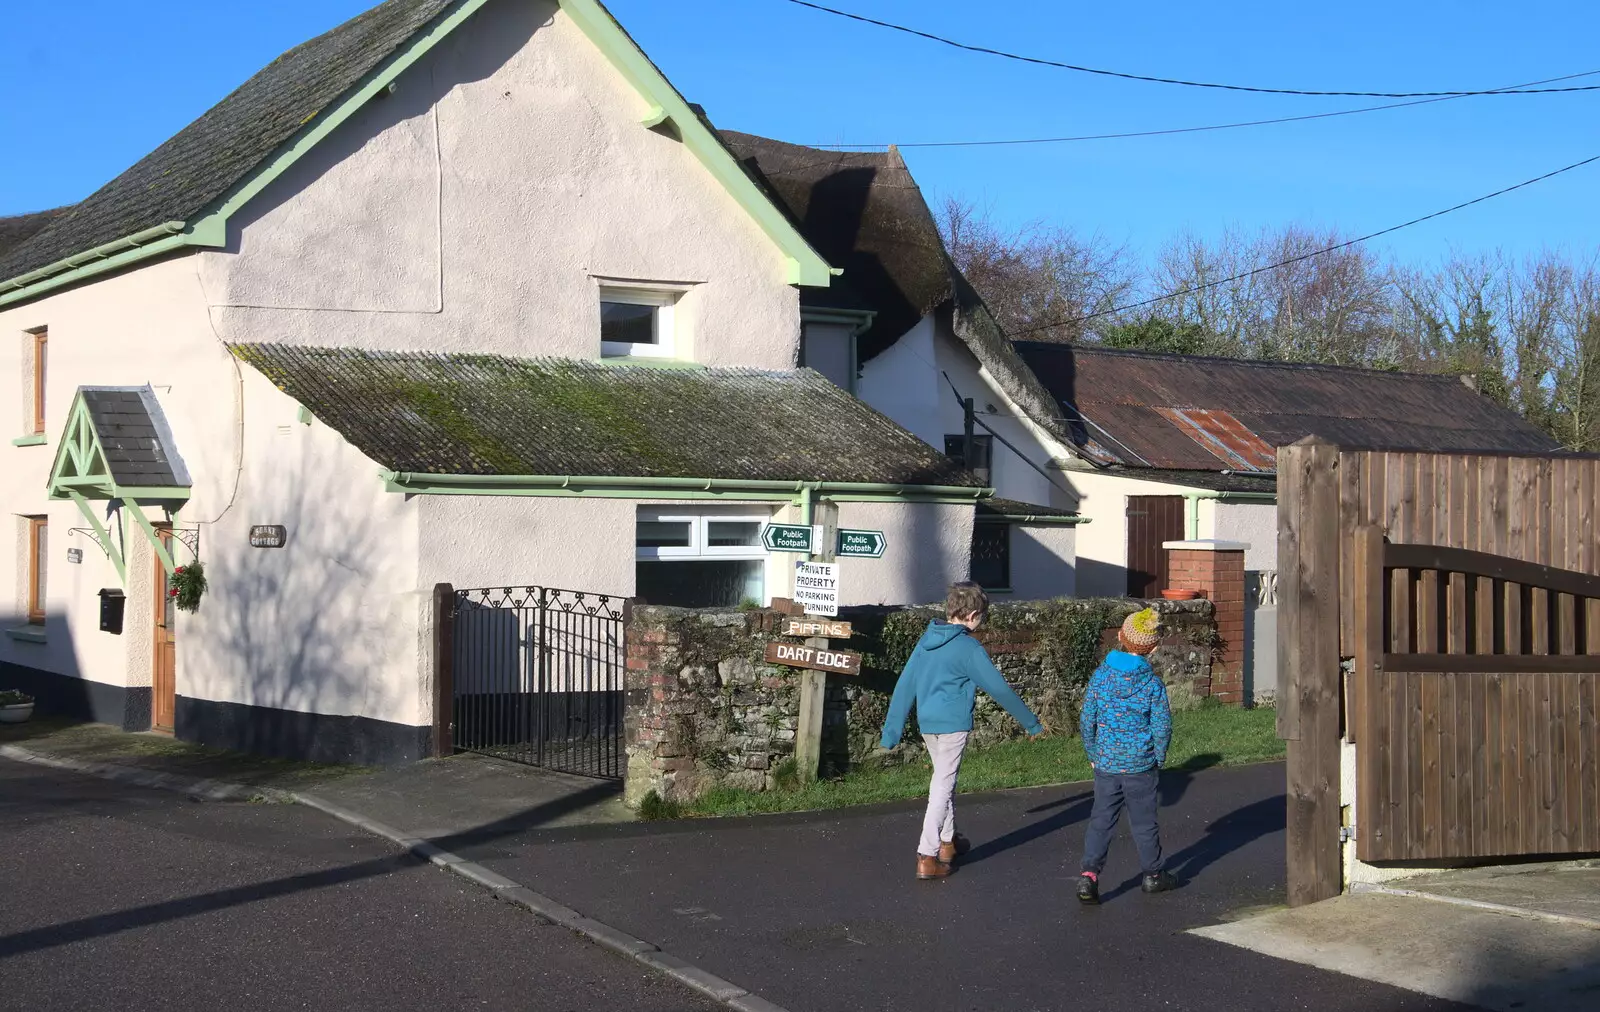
(942, 677)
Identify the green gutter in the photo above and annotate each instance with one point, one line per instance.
(611, 486)
(108, 257)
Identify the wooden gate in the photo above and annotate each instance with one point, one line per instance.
(1462, 589)
(1473, 704)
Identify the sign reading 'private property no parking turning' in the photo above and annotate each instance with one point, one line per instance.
(816, 587)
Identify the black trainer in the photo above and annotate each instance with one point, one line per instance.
(1159, 882)
(1088, 889)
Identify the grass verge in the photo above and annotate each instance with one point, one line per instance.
(1210, 735)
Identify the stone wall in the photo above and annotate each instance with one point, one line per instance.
(705, 711)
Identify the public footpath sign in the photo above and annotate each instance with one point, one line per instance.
(789, 538)
(798, 655)
(816, 587)
(861, 544)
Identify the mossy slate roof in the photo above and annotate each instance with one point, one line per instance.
(488, 415)
(183, 177)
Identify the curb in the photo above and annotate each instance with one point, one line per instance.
(515, 893)
(1461, 901)
(203, 790)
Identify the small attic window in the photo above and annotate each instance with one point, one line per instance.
(637, 322)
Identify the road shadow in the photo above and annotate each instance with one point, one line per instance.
(1234, 831)
(1175, 780)
(1069, 810)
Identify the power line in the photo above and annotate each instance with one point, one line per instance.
(1305, 256)
(1183, 130)
(1172, 80)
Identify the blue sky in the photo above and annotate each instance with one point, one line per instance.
(92, 86)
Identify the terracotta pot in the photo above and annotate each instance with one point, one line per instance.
(1180, 595)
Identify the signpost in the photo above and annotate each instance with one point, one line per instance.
(833, 630)
(861, 544)
(816, 587)
(798, 655)
(800, 538)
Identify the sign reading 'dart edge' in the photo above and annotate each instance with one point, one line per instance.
(797, 655)
(816, 587)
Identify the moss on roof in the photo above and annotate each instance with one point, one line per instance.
(489, 415)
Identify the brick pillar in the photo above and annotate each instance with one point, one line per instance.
(1216, 570)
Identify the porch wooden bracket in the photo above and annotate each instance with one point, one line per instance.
(101, 535)
(150, 533)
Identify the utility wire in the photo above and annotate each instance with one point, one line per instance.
(1180, 130)
(1304, 256)
(1172, 80)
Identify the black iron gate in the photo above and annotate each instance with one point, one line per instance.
(537, 677)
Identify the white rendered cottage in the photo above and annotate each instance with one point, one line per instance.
(460, 292)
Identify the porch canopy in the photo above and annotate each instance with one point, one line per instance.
(117, 448)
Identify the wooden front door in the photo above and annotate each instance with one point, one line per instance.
(164, 676)
(1152, 520)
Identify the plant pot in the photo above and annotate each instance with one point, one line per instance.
(1180, 595)
(16, 713)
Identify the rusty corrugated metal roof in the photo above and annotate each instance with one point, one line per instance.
(1194, 413)
(1224, 436)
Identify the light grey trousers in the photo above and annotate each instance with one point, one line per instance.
(939, 824)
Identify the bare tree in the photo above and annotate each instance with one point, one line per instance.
(1039, 281)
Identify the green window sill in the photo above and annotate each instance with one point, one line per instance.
(37, 439)
(28, 634)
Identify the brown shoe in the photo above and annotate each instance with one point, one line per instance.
(932, 867)
(949, 851)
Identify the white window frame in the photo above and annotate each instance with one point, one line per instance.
(699, 546)
(664, 301)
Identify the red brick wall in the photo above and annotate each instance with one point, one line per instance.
(1219, 577)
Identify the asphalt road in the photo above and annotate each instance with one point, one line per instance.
(113, 897)
(821, 912)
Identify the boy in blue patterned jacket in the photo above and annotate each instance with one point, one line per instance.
(1126, 726)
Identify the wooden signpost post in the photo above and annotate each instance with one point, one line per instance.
(817, 589)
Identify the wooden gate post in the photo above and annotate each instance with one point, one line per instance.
(1308, 664)
(444, 692)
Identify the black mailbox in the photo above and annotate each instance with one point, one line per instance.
(111, 602)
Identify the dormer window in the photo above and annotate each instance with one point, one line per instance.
(637, 323)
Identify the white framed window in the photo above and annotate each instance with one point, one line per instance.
(700, 560)
(638, 322)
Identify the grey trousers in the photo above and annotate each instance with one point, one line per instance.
(1113, 792)
(939, 822)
